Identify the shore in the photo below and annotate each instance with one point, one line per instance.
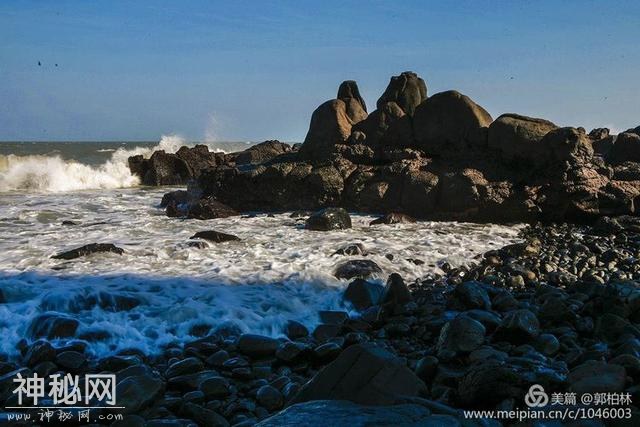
(559, 310)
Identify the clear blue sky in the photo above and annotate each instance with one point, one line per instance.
(255, 70)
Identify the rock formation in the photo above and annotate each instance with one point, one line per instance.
(440, 157)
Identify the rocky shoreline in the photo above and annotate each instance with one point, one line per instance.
(440, 157)
(560, 310)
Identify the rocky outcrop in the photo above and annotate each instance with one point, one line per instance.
(440, 157)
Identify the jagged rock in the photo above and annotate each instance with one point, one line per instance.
(261, 153)
(214, 236)
(89, 249)
(330, 124)
(362, 294)
(450, 122)
(329, 219)
(406, 90)
(362, 268)
(364, 374)
(342, 413)
(519, 137)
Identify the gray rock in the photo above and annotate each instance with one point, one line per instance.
(329, 219)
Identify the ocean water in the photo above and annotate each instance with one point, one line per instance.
(277, 272)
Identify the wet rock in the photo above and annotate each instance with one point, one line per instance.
(177, 197)
(294, 330)
(362, 294)
(426, 368)
(138, 391)
(214, 236)
(333, 317)
(396, 292)
(460, 335)
(329, 219)
(215, 388)
(89, 249)
(518, 326)
(393, 218)
(341, 413)
(69, 223)
(327, 352)
(203, 416)
(365, 374)
(472, 295)
(489, 384)
(270, 398)
(257, 345)
(361, 268)
(290, 351)
(52, 325)
(208, 208)
(261, 153)
(597, 377)
(40, 351)
(71, 361)
(189, 365)
(352, 250)
(323, 333)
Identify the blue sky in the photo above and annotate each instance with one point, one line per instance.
(255, 70)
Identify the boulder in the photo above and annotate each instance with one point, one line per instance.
(362, 268)
(208, 208)
(406, 90)
(52, 325)
(387, 127)
(89, 249)
(460, 335)
(257, 345)
(177, 197)
(261, 153)
(490, 383)
(364, 374)
(396, 292)
(450, 122)
(349, 90)
(472, 295)
(517, 137)
(329, 219)
(362, 294)
(625, 148)
(518, 327)
(342, 413)
(214, 236)
(139, 390)
(330, 124)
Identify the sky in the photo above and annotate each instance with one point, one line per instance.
(256, 70)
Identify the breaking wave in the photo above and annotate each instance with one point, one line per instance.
(52, 173)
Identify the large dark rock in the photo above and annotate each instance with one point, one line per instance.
(261, 153)
(52, 325)
(450, 122)
(393, 218)
(363, 374)
(89, 249)
(567, 145)
(329, 219)
(597, 377)
(396, 292)
(205, 208)
(174, 169)
(349, 90)
(460, 335)
(518, 137)
(214, 236)
(626, 148)
(257, 345)
(362, 268)
(138, 390)
(407, 91)
(362, 294)
(342, 413)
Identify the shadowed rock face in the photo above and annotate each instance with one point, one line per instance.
(440, 157)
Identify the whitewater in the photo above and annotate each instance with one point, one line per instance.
(277, 272)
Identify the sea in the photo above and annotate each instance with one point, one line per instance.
(277, 272)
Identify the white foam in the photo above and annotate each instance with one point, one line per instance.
(52, 173)
(278, 271)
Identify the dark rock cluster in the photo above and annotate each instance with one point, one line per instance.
(435, 157)
(561, 310)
